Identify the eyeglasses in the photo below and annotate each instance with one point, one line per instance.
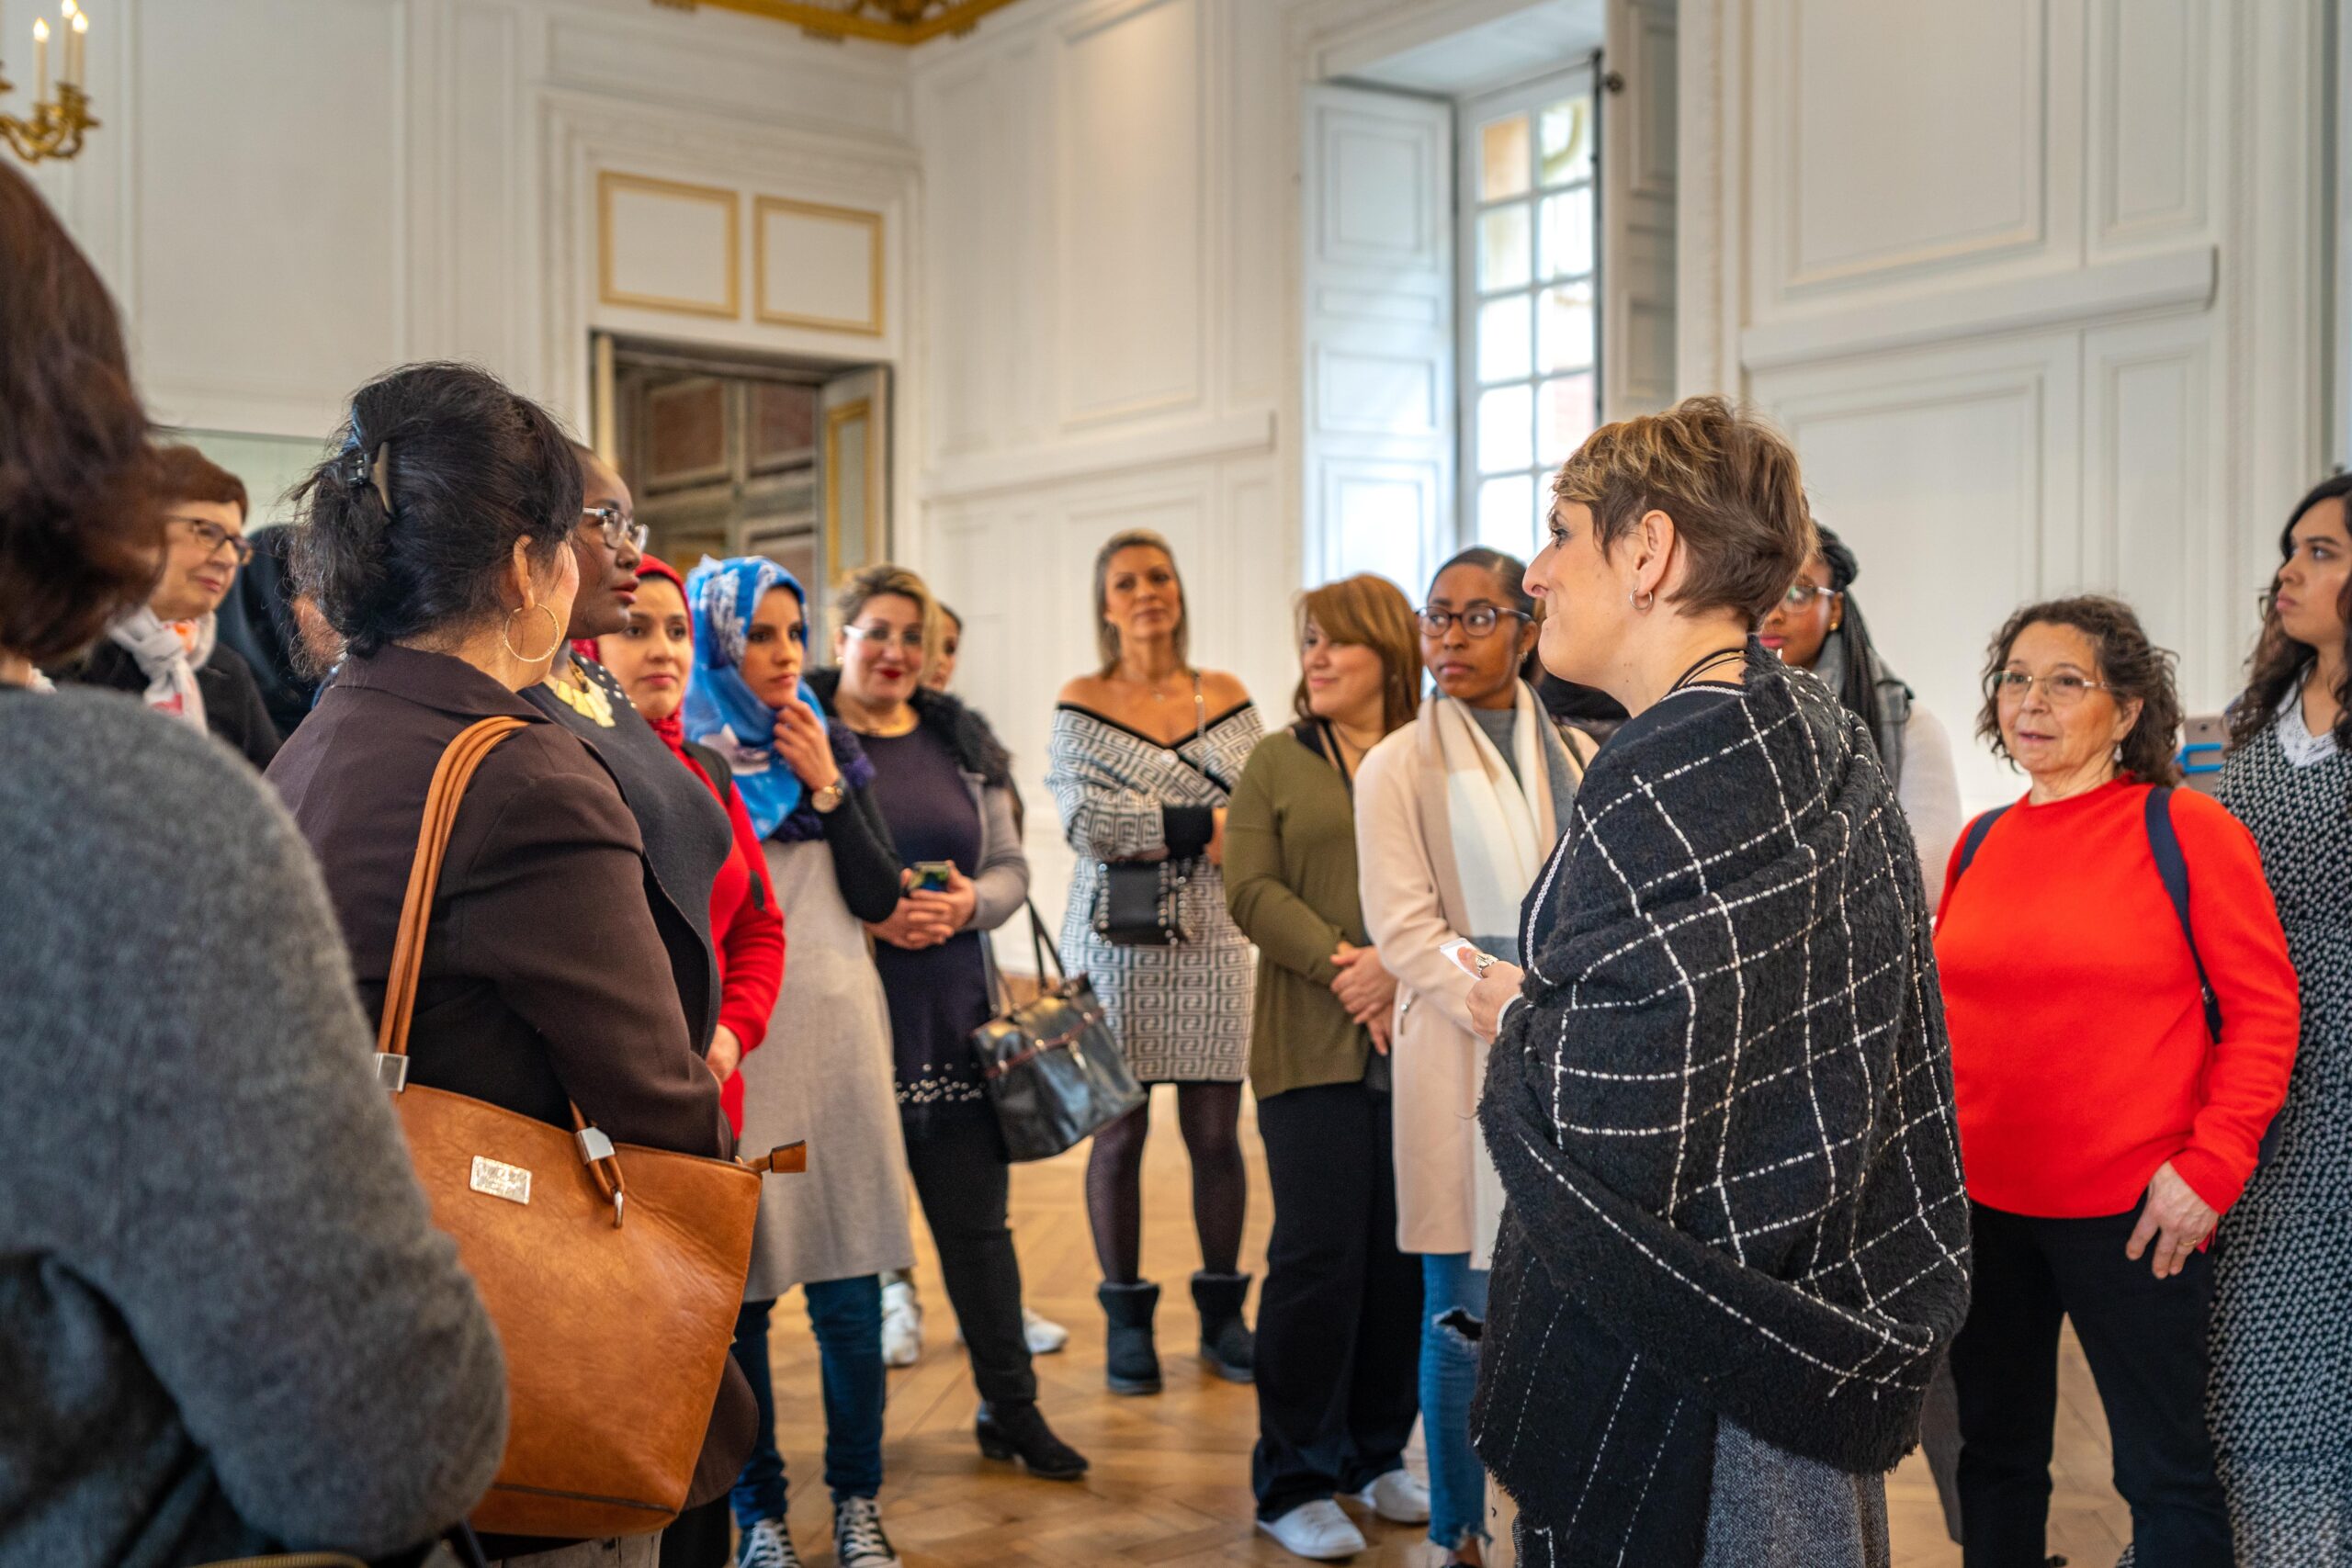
(211, 536)
(1800, 594)
(2062, 689)
(619, 528)
(910, 640)
(1478, 620)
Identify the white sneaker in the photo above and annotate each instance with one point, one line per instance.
(859, 1540)
(902, 1324)
(1316, 1532)
(765, 1545)
(1400, 1497)
(1043, 1334)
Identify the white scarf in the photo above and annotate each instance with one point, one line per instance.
(1500, 849)
(168, 661)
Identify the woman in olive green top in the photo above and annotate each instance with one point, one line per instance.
(1339, 1319)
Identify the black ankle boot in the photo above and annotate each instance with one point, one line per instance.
(1227, 1344)
(1016, 1429)
(1131, 1362)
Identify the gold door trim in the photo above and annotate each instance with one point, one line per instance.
(767, 314)
(835, 418)
(608, 183)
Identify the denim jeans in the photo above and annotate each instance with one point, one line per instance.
(1449, 1375)
(847, 1317)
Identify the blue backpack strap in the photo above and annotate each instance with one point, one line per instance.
(2173, 867)
(1974, 842)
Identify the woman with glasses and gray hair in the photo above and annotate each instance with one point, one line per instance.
(1817, 626)
(2123, 1019)
(1455, 814)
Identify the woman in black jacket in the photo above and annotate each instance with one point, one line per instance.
(1721, 1102)
(439, 545)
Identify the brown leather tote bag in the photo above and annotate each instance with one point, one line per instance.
(613, 1272)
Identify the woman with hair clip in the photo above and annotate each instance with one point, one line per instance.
(1817, 626)
(1340, 1320)
(1455, 814)
(440, 546)
(2281, 1400)
(806, 786)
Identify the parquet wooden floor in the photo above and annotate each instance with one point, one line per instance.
(1171, 1483)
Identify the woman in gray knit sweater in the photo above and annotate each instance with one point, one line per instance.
(226, 1322)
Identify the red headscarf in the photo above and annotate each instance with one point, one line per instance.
(672, 729)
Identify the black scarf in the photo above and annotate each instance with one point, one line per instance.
(1723, 1118)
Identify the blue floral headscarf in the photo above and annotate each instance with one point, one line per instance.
(722, 711)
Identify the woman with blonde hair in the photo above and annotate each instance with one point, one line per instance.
(1339, 1321)
(1144, 755)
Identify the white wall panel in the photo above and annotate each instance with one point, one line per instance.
(483, 167)
(2150, 122)
(1131, 135)
(965, 166)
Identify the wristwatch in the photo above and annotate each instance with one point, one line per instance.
(825, 799)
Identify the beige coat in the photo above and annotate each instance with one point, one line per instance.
(1412, 905)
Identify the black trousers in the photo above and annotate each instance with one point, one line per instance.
(2144, 1339)
(956, 1157)
(1340, 1318)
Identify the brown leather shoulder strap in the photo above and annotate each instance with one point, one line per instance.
(465, 754)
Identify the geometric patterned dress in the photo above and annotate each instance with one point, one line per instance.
(1181, 1013)
(2279, 1401)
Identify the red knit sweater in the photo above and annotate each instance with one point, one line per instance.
(2079, 1057)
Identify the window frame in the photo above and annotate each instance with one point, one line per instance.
(1581, 79)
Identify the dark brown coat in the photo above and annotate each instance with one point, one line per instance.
(546, 977)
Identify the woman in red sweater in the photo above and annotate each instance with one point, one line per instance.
(2104, 1129)
(651, 658)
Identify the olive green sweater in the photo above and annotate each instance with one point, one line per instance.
(1290, 881)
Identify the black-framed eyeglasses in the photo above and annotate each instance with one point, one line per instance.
(2062, 689)
(1800, 594)
(909, 638)
(211, 536)
(619, 528)
(1478, 620)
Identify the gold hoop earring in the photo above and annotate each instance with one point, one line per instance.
(507, 635)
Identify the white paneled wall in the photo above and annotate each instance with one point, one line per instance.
(290, 196)
(2035, 286)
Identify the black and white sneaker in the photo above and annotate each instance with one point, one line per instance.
(859, 1540)
(766, 1545)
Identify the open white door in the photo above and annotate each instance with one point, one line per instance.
(853, 484)
(1379, 354)
(1637, 110)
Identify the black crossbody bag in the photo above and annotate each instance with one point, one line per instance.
(1140, 903)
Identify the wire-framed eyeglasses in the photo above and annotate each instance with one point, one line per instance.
(212, 536)
(2061, 690)
(1478, 620)
(619, 528)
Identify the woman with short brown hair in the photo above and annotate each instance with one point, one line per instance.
(1340, 1320)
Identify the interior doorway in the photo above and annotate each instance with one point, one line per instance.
(732, 453)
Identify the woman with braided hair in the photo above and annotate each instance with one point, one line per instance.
(1817, 626)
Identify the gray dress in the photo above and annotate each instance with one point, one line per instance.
(1181, 1013)
(824, 1074)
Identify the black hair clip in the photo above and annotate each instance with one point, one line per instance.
(357, 467)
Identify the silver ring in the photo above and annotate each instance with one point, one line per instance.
(1483, 963)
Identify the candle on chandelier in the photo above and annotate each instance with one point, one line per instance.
(75, 44)
(40, 59)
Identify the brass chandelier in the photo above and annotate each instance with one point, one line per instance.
(58, 124)
(888, 21)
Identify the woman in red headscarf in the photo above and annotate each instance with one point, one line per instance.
(651, 658)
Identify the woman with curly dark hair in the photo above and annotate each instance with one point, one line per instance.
(2113, 1079)
(2281, 1402)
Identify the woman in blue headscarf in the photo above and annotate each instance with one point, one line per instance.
(826, 1073)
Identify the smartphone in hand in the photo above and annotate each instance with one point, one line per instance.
(931, 876)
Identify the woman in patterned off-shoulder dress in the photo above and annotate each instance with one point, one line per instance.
(2280, 1397)
(1143, 756)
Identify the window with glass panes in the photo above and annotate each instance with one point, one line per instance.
(1528, 244)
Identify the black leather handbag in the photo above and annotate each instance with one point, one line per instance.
(1052, 1070)
(1140, 903)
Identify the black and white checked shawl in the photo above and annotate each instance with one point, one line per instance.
(1723, 1116)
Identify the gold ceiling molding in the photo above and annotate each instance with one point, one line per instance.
(889, 21)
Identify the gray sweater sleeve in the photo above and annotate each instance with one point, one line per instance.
(1001, 884)
(220, 1166)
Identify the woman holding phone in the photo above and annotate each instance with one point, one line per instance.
(944, 790)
